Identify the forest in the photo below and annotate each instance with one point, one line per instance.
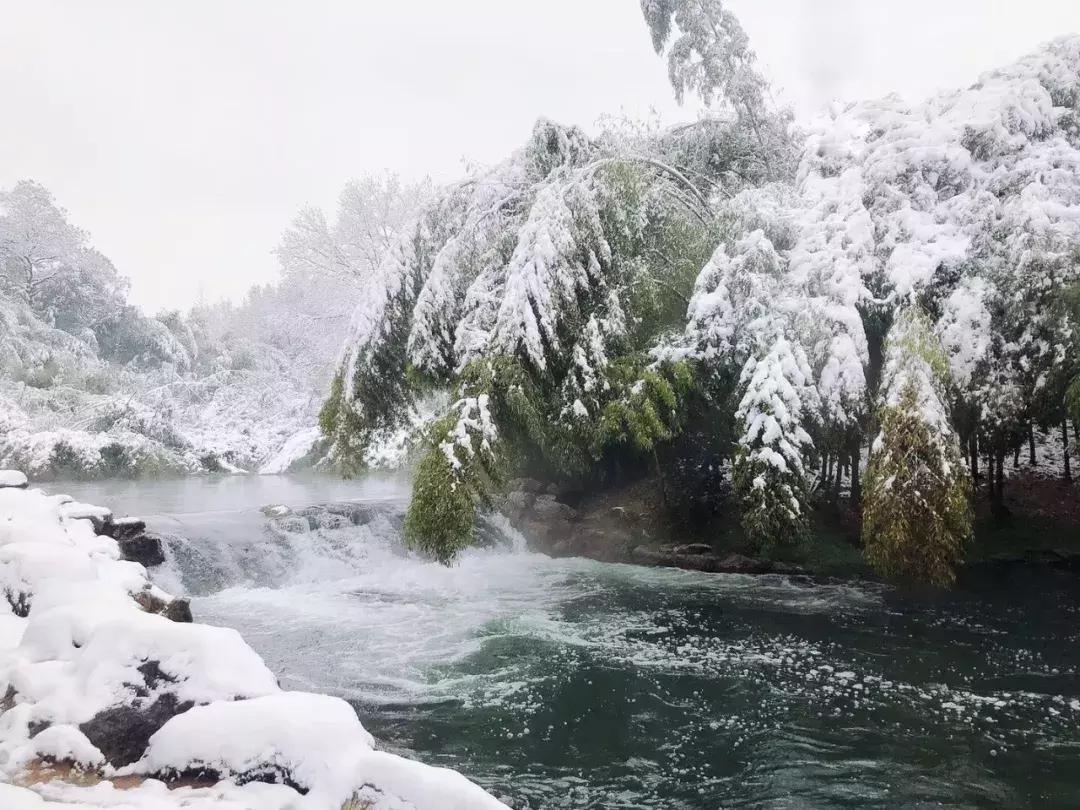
(882, 303)
(719, 461)
(893, 286)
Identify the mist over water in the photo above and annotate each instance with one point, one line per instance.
(574, 684)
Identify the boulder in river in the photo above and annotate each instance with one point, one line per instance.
(146, 548)
(701, 557)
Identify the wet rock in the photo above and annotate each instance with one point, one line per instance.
(693, 548)
(290, 524)
(546, 507)
(268, 774)
(518, 501)
(177, 610)
(146, 548)
(122, 733)
(741, 564)
(118, 528)
(323, 517)
(695, 558)
(358, 514)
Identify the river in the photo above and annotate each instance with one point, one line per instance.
(566, 683)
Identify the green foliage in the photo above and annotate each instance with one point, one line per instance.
(348, 433)
(1072, 400)
(461, 470)
(770, 463)
(650, 412)
(917, 517)
(1072, 394)
(773, 506)
(442, 511)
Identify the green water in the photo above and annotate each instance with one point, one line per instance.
(574, 684)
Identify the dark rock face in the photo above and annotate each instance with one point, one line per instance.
(122, 733)
(701, 557)
(618, 526)
(600, 530)
(136, 543)
(268, 774)
(146, 548)
(119, 528)
(178, 610)
(35, 727)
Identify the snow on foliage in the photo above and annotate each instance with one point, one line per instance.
(916, 515)
(91, 386)
(771, 458)
(75, 643)
(965, 205)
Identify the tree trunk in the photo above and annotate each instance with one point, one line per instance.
(1031, 446)
(856, 484)
(1001, 478)
(660, 474)
(1065, 448)
(839, 478)
(974, 456)
(1016, 457)
(997, 489)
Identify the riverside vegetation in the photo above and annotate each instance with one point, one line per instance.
(739, 293)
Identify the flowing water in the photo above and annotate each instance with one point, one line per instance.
(574, 684)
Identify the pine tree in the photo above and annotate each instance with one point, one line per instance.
(916, 512)
(773, 452)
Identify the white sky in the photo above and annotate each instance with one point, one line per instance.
(185, 135)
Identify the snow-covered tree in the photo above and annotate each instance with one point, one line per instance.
(916, 512)
(372, 211)
(578, 273)
(46, 262)
(771, 475)
(709, 54)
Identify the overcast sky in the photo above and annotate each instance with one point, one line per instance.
(185, 135)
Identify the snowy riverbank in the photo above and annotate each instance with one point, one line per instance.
(109, 703)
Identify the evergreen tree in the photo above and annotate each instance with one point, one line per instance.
(771, 459)
(916, 512)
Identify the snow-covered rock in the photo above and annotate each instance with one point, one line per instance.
(13, 479)
(93, 679)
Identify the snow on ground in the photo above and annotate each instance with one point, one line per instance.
(295, 448)
(76, 647)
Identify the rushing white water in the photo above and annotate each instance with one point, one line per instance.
(566, 683)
